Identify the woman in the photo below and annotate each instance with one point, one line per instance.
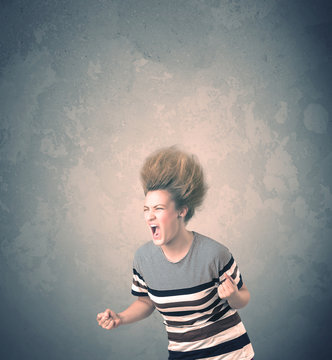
(192, 280)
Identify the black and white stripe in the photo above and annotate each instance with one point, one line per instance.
(199, 324)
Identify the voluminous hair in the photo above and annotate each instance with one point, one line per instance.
(177, 172)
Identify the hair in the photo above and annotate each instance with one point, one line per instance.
(177, 172)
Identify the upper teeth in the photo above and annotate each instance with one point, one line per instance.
(153, 225)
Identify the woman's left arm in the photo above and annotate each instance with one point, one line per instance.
(237, 298)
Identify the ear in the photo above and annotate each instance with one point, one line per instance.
(183, 212)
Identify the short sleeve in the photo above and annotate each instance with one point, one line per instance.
(230, 267)
(138, 287)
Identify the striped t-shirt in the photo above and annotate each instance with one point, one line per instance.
(199, 324)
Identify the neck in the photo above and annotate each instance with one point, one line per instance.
(179, 247)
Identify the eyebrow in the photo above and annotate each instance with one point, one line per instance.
(155, 205)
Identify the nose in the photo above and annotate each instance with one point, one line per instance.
(150, 215)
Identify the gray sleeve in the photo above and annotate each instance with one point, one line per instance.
(138, 286)
(227, 264)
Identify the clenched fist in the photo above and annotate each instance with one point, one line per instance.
(108, 319)
(227, 289)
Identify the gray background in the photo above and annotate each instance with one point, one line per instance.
(88, 89)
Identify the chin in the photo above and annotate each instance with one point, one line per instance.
(158, 242)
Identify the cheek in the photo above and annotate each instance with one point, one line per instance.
(168, 220)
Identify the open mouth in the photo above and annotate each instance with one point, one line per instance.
(155, 230)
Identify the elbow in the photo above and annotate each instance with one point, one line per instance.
(245, 297)
(241, 300)
(248, 297)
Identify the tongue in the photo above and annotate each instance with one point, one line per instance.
(156, 232)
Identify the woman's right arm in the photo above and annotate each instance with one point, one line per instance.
(138, 310)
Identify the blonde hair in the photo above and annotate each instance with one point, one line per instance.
(177, 172)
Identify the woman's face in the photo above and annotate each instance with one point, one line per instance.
(162, 217)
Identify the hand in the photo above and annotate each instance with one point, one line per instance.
(227, 289)
(108, 319)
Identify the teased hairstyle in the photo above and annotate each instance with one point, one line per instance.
(177, 172)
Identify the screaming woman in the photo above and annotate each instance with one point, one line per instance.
(192, 280)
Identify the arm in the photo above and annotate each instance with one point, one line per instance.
(236, 298)
(138, 310)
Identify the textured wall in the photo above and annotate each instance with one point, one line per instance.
(88, 89)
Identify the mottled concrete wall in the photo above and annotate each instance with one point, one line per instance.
(88, 89)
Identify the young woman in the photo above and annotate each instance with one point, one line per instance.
(192, 280)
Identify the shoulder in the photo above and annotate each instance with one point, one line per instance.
(212, 248)
(144, 251)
